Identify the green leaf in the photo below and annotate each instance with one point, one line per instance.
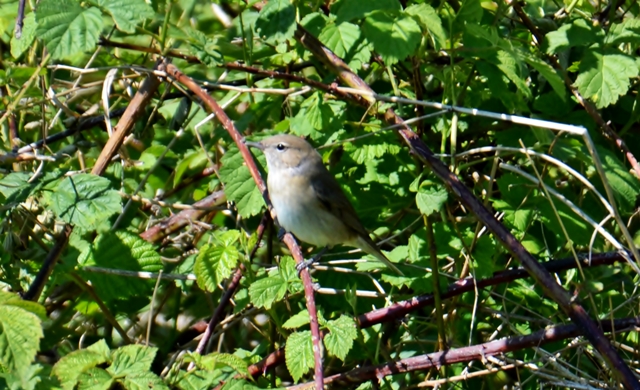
(32, 307)
(625, 187)
(19, 46)
(85, 201)
(20, 334)
(239, 185)
(430, 21)
(132, 359)
(375, 148)
(431, 199)
(298, 353)
(509, 65)
(394, 37)
(340, 38)
(277, 21)
(69, 368)
(205, 48)
(215, 263)
(297, 320)
(95, 378)
(626, 32)
(15, 187)
(356, 9)
(604, 75)
(67, 28)
(470, 12)
(144, 381)
(340, 339)
(264, 292)
(578, 33)
(213, 360)
(127, 13)
(550, 74)
(483, 256)
(125, 251)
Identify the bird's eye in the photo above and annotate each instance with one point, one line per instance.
(281, 147)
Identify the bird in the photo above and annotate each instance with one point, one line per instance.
(308, 200)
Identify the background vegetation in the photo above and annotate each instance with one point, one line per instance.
(133, 232)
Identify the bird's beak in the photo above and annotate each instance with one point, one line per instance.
(256, 145)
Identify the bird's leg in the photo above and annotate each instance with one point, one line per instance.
(307, 263)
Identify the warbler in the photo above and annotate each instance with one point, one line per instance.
(308, 200)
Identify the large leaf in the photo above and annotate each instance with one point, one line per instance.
(604, 75)
(20, 334)
(67, 28)
(277, 21)
(216, 261)
(298, 354)
(342, 334)
(85, 201)
(125, 251)
(238, 183)
(127, 13)
(394, 36)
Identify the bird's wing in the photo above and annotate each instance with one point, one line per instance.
(333, 199)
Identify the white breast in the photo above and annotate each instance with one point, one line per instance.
(300, 212)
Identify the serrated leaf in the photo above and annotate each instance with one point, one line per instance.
(15, 300)
(356, 9)
(20, 334)
(428, 17)
(95, 378)
(15, 187)
(470, 12)
(85, 200)
(132, 359)
(19, 46)
(373, 150)
(340, 339)
(127, 13)
(431, 199)
(67, 28)
(394, 37)
(277, 21)
(626, 32)
(577, 33)
(340, 38)
(214, 264)
(144, 381)
(298, 353)
(604, 75)
(213, 360)
(298, 320)
(264, 292)
(120, 250)
(239, 185)
(69, 368)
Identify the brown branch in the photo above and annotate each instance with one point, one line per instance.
(232, 287)
(467, 354)
(400, 309)
(542, 277)
(183, 218)
(33, 294)
(134, 110)
(289, 240)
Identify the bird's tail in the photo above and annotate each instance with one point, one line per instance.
(370, 247)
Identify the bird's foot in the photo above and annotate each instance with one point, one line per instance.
(281, 234)
(305, 264)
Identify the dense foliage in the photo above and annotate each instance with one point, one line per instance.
(112, 263)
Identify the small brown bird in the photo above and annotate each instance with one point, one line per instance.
(308, 200)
